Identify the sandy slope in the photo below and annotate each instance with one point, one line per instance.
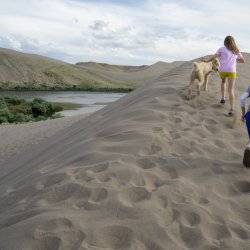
(16, 137)
(151, 171)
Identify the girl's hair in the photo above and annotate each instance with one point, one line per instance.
(230, 44)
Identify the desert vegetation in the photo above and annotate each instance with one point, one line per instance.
(14, 110)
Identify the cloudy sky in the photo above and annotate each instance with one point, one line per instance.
(123, 31)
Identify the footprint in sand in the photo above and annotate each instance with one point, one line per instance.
(191, 236)
(99, 167)
(178, 120)
(50, 180)
(136, 194)
(55, 233)
(203, 201)
(86, 205)
(67, 191)
(242, 186)
(211, 121)
(138, 180)
(48, 242)
(117, 210)
(175, 135)
(113, 237)
(98, 194)
(240, 233)
(163, 200)
(151, 245)
(158, 129)
(82, 176)
(190, 218)
(212, 129)
(155, 149)
(146, 163)
(219, 143)
(218, 231)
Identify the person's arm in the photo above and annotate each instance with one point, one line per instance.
(240, 58)
(243, 98)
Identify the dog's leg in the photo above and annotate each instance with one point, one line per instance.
(190, 89)
(201, 81)
(205, 82)
(199, 88)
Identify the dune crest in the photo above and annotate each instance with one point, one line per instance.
(150, 171)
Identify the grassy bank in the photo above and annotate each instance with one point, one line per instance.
(8, 86)
(67, 105)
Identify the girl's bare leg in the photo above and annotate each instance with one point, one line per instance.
(231, 87)
(223, 89)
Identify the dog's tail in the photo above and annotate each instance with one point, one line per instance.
(196, 68)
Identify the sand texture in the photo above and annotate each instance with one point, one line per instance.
(17, 137)
(151, 171)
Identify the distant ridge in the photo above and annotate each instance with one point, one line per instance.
(30, 71)
(132, 75)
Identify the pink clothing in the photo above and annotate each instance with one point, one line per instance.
(228, 60)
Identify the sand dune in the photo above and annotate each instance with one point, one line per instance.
(29, 71)
(151, 171)
(16, 137)
(132, 75)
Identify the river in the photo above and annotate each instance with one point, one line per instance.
(89, 101)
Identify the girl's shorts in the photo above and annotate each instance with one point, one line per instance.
(230, 75)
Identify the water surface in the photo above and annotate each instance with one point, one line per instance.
(90, 101)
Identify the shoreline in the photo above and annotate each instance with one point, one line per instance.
(102, 90)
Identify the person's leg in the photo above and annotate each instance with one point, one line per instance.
(247, 119)
(223, 89)
(231, 87)
(246, 158)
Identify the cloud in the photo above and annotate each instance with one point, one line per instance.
(122, 32)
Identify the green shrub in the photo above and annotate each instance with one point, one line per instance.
(42, 108)
(3, 104)
(20, 117)
(38, 108)
(15, 110)
(3, 119)
(6, 115)
(13, 101)
(24, 108)
(41, 118)
(57, 108)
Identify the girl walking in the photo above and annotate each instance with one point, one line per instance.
(228, 56)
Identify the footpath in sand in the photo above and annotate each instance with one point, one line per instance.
(151, 171)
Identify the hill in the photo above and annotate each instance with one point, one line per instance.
(132, 75)
(151, 171)
(28, 71)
